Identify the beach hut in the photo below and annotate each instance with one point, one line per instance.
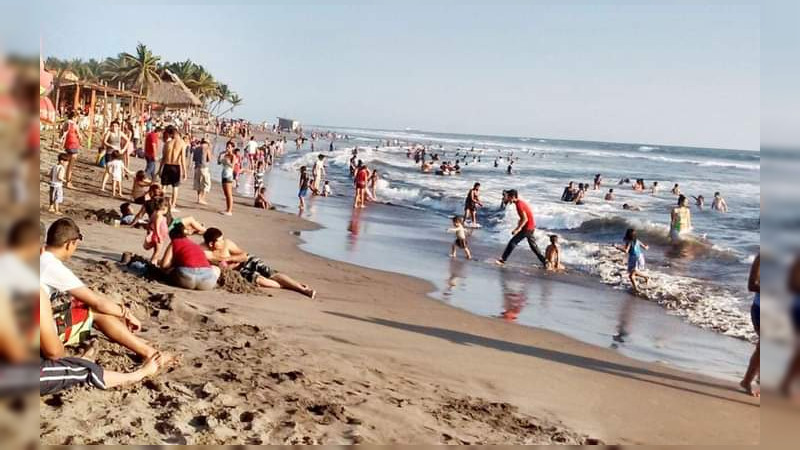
(171, 93)
(285, 124)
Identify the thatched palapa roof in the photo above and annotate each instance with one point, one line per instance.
(171, 92)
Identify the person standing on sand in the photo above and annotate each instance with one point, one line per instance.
(151, 151)
(471, 205)
(173, 164)
(226, 254)
(754, 286)
(114, 139)
(201, 156)
(524, 230)
(71, 142)
(227, 176)
(78, 308)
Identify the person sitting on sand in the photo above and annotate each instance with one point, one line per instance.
(461, 237)
(610, 195)
(78, 309)
(552, 256)
(636, 262)
(186, 263)
(226, 254)
(127, 215)
(719, 203)
(261, 201)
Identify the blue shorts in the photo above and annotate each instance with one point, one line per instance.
(303, 192)
(796, 314)
(755, 317)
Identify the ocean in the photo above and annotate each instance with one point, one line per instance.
(694, 310)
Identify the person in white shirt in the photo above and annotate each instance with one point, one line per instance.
(116, 170)
(318, 174)
(58, 176)
(78, 308)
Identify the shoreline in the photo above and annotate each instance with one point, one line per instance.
(368, 326)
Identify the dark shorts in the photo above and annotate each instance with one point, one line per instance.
(72, 151)
(755, 317)
(140, 200)
(461, 243)
(227, 180)
(171, 175)
(254, 267)
(469, 206)
(303, 192)
(58, 374)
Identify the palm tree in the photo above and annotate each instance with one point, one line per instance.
(113, 69)
(223, 95)
(235, 101)
(60, 67)
(141, 69)
(185, 70)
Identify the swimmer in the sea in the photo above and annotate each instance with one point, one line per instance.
(699, 201)
(676, 190)
(719, 203)
(610, 195)
(654, 189)
(628, 207)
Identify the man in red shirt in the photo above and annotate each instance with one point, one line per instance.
(524, 230)
(150, 151)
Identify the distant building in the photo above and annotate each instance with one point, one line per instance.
(285, 124)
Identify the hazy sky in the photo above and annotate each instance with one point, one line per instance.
(671, 74)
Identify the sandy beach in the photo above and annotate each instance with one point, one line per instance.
(372, 360)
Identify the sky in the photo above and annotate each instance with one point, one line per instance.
(683, 74)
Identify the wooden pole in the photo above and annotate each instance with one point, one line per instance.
(77, 97)
(91, 118)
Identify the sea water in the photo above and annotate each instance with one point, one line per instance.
(695, 313)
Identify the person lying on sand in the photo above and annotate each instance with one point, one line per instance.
(76, 308)
(225, 253)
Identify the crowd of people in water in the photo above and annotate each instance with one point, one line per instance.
(169, 237)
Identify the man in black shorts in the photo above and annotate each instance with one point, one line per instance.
(173, 163)
(225, 253)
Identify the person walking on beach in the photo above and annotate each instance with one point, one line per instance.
(461, 237)
(754, 286)
(680, 220)
(361, 177)
(636, 262)
(524, 230)
(227, 175)
(173, 164)
(71, 142)
(201, 157)
(471, 205)
(303, 188)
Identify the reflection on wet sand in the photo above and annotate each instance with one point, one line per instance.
(456, 274)
(515, 293)
(354, 227)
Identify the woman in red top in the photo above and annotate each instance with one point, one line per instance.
(362, 175)
(187, 263)
(71, 141)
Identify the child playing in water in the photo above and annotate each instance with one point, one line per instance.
(303, 191)
(552, 255)
(116, 170)
(58, 176)
(258, 178)
(461, 237)
(326, 189)
(633, 247)
(261, 199)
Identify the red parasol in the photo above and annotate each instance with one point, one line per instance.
(47, 112)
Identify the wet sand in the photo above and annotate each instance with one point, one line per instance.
(372, 359)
